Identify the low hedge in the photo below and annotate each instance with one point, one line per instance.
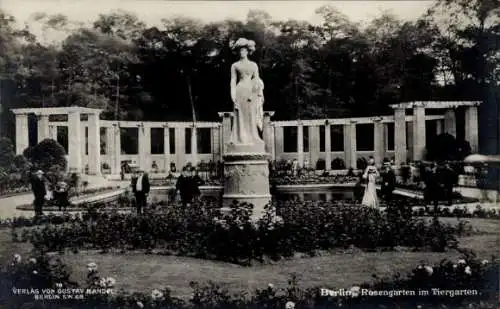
(305, 227)
(469, 275)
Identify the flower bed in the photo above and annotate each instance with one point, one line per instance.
(458, 212)
(306, 227)
(314, 179)
(14, 191)
(474, 284)
(93, 191)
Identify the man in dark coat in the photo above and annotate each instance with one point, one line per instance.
(39, 191)
(450, 179)
(388, 182)
(196, 182)
(140, 187)
(184, 187)
(431, 180)
(61, 196)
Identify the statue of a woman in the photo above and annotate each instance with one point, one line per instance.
(247, 94)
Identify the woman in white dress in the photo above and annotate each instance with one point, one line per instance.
(371, 174)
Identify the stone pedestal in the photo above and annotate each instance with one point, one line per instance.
(246, 177)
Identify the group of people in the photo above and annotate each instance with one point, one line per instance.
(42, 193)
(187, 187)
(370, 176)
(439, 180)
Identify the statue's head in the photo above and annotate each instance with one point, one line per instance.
(243, 47)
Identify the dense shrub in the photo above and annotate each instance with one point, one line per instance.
(361, 163)
(306, 227)
(445, 147)
(468, 274)
(46, 155)
(405, 171)
(7, 154)
(338, 164)
(320, 164)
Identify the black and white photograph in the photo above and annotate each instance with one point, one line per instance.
(249, 154)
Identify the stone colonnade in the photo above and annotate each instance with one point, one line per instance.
(145, 156)
(418, 127)
(411, 146)
(75, 137)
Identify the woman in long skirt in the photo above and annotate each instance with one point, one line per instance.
(371, 174)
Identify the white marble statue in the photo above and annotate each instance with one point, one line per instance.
(247, 94)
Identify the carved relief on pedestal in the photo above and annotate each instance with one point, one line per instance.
(247, 179)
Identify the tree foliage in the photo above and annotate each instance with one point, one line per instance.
(7, 154)
(179, 69)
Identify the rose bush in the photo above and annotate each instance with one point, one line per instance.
(314, 179)
(467, 274)
(306, 227)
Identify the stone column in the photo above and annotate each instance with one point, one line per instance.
(314, 144)
(74, 142)
(84, 148)
(268, 133)
(144, 147)
(216, 145)
(53, 132)
(378, 141)
(418, 133)
(166, 148)
(399, 136)
(117, 149)
(43, 127)
(180, 148)
(409, 141)
(350, 145)
(300, 144)
(22, 137)
(450, 123)
(94, 144)
(278, 142)
(328, 146)
(439, 127)
(226, 129)
(472, 128)
(194, 145)
(110, 149)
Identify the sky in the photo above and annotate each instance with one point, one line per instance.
(152, 11)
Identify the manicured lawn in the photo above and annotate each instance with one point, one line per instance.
(140, 272)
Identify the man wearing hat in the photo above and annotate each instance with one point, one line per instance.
(196, 182)
(184, 186)
(388, 182)
(39, 191)
(140, 187)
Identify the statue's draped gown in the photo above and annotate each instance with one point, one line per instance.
(248, 105)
